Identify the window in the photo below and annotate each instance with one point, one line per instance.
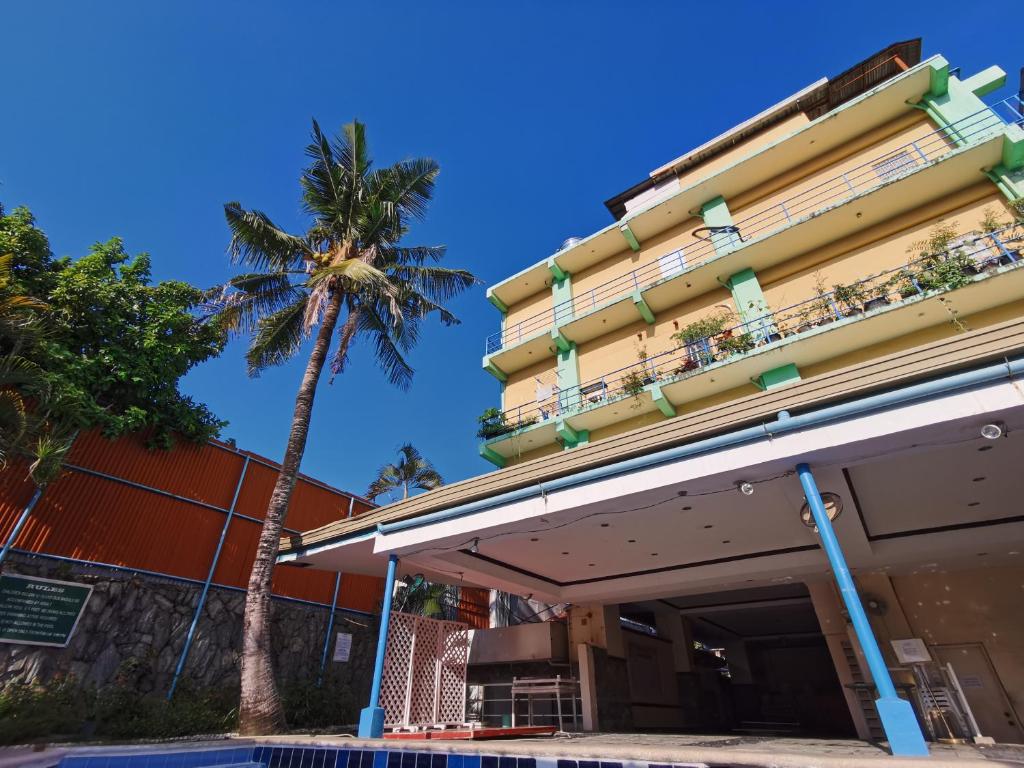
(893, 165)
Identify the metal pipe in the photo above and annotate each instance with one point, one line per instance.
(897, 716)
(20, 524)
(371, 719)
(206, 585)
(330, 628)
(984, 375)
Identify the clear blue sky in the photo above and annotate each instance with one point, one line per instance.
(141, 119)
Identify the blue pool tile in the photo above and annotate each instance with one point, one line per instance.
(506, 762)
(394, 759)
(471, 761)
(529, 762)
(439, 761)
(610, 765)
(488, 761)
(454, 761)
(408, 760)
(380, 760)
(422, 760)
(588, 764)
(566, 764)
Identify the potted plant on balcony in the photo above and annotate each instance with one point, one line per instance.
(634, 381)
(735, 344)
(849, 297)
(492, 424)
(698, 337)
(877, 294)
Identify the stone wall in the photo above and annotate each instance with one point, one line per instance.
(134, 627)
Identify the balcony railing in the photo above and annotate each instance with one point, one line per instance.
(967, 257)
(884, 168)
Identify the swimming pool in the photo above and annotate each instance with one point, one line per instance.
(260, 756)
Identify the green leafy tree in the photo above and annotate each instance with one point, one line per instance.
(412, 471)
(115, 345)
(350, 273)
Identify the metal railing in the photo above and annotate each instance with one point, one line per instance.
(889, 166)
(972, 256)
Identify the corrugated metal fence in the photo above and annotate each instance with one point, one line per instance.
(121, 504)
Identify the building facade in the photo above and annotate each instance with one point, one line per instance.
(764, 430)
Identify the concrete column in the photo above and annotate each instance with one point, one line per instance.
(670, 626)
(588, 686)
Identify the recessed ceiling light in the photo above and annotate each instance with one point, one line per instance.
(654, 554)
(605, 525)
(973, 504)
(631, 541)
(977, 479)
(534, 539)
(985, 448)
(727, 541)
(982, 554)
(565, 553)
(591, 564)
(709, 526)
(687, 509)
(993, 431)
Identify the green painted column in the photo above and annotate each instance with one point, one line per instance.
(747, 295)
(715, 213)
(956, 104)
(493, 456)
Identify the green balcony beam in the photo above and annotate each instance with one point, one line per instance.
(557, 272)
(776, 377)
(493, 456)
(565, 431)
(634, 244)
(562, 344)
(501, 305)
(494, 370)
(643, 308)
(1013, 148)
(662, 402)
(955, 105)
(582, 438)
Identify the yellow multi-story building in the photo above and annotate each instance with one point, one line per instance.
(861, 216)
(820, 310)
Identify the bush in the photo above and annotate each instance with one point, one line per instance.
(31, 712)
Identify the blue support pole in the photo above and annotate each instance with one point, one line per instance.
(330, 626)
(206, 584)
(20, 524)
(371, 719)
(898, 719)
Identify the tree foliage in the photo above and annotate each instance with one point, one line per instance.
(109, 345)
(411, 471)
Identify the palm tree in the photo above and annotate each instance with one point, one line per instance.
(347, 272)
(411, 471)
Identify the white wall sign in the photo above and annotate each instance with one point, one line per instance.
(911, 651)
(343, 647)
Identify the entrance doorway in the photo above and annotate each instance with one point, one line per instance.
(761, 655)
(983, 690)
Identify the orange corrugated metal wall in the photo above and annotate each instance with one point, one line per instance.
(475, 607)
(88, 517)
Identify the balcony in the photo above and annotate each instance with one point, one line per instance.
(978, 271)
(891, 183)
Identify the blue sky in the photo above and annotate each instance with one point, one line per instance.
(142, 119)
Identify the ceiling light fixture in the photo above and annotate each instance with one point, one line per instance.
(833, 508)
(993, 431)
(475, 546)
(747, 489)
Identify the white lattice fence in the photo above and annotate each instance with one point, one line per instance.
(424, 681)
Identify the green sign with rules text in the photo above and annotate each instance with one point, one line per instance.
(40, 611)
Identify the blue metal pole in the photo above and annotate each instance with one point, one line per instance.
(206, 584)
(330, 627)
(20, 524)
(371, 719)
(898, 719)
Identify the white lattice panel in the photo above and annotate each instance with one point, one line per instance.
(424, 679)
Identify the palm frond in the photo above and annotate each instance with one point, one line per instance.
(245, 299)
(257, 241)
(279, 336)
(411, 185)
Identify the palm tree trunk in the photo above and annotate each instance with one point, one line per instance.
(260, 710)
